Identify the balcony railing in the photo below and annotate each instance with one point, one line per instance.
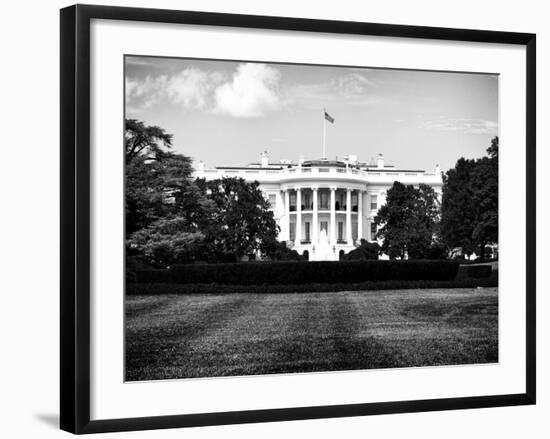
(320, 207)
(310, 172)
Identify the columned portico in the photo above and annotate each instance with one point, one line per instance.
(325, 220)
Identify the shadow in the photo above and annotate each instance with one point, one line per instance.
(49, 419)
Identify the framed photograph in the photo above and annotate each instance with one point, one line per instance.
(275, 218)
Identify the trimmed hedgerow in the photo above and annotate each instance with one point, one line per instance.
(171, 288)
(153, 276)
(296, 273)
(475, 271)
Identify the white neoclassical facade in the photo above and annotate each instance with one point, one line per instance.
(324, 207)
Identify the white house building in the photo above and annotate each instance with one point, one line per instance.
(324, 207)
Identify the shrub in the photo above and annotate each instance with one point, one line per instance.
(280, 252)
(366, 251)
(437, 251)
(475, 271)
(258, 273)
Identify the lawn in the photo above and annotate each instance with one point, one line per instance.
(179, 336)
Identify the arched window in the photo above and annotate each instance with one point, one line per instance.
(341, 255)
(306, 255)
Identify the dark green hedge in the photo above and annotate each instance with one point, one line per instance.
(475, 271)
(171, 288)
(296, 273)
(153, 276)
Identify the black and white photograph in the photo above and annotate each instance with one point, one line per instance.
(275, 219)
(293, 218)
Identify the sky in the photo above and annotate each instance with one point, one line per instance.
(228, 113)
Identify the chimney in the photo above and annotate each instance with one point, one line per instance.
(200, 166)
(301, 160)
(380, 161)
(264, 159)
(437, 170)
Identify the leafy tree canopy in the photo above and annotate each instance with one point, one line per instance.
(408, 221)
(165, 209)
(241, 221)
(145, 141)
(469, 208)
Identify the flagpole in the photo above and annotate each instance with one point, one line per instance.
(324, 134)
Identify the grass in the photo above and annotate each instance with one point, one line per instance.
(180, 336)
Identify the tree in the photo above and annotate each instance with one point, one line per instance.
(165, 209)
(242, 222)
(166, 242)
(145, 141)
(408, 221)
(469, 208)
(458, 206)
(485, 184)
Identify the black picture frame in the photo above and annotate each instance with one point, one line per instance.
(75, 217)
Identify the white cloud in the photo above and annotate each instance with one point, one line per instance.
(252, 91)
(353, 84)
(465, 125)
(143, 94)
(192, 88)
(353, 88)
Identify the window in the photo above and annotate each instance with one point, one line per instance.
(307, 201)
(340, 231)
(373, 202)
(272, 200)
(354, 202)
(292, 201)
(340, 201)
(292, 231)
(373, 230)
(324, 201)
(324, 226)
(308, 238)
(354, 231)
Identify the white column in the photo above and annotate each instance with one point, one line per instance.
(332, 216)
(286, 225)
(359, 215)
(298, 216)
(348, 217)
(315, 217)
